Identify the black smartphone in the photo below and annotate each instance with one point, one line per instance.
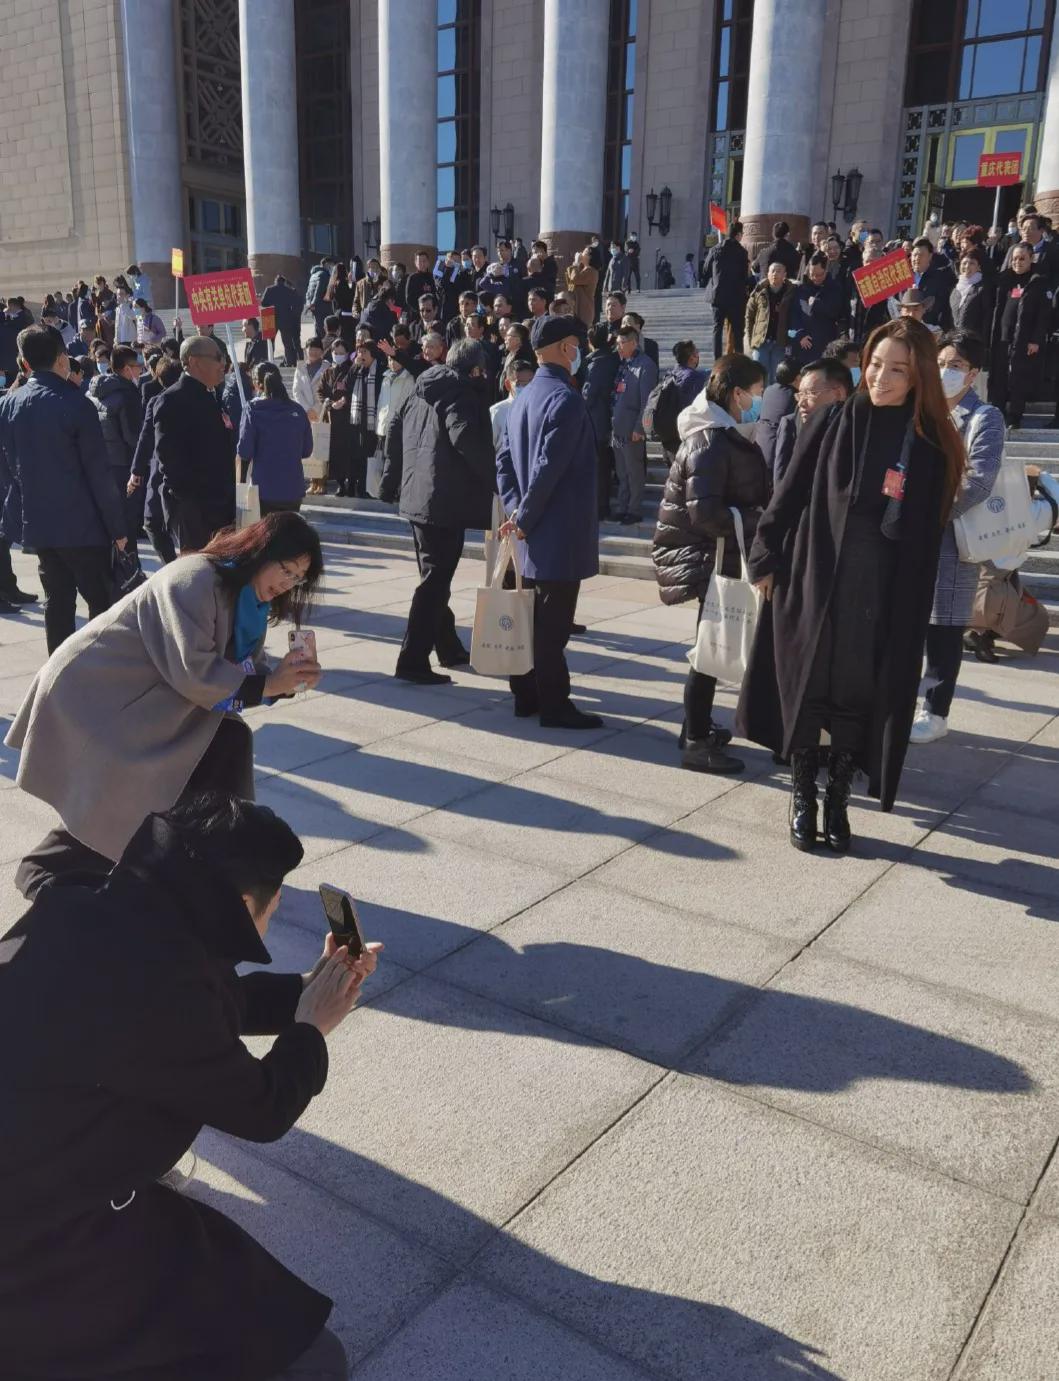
(341, 913)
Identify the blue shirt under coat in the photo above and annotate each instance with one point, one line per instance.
(547, 471)
(276, 435)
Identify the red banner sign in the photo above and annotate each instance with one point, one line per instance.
(218, 297)
(268, 322)
(884, 277)
(999, 169)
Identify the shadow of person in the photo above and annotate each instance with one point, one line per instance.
(675, 1336)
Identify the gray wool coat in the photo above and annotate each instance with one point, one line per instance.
(982, 427)
(119, 716)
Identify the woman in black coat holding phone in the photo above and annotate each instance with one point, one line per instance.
(846, 556)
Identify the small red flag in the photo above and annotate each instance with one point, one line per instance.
(718, 219)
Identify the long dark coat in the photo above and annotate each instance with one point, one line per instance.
(798, 541)
(1031, 328)
(113, 1060)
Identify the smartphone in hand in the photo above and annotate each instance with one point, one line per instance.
(341, 912)
(302, 641)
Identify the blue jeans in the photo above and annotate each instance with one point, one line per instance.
(770, 354)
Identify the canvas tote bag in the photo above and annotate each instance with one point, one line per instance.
(729, 618)
(1001, 526)
(247, 502)
(502, 637)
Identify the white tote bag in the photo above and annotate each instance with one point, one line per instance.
(373, 482)
(502, 637)
(1001, 526)
(247, 502)
(729, 618)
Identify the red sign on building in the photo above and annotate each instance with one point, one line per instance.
(218, 297)
(999, 169)
(882, 279)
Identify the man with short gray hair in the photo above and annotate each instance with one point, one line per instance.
(440, 462)
(195, 445)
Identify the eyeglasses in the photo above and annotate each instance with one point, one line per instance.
(293, 578)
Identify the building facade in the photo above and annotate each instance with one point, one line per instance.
(273, 131)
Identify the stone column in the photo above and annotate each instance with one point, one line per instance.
(408, 85)
(573, 121)
(153, 131)
(780, 153)
(270, 139)
(1046, 198)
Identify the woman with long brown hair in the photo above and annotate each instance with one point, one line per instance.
(142, 706)
(846, 556)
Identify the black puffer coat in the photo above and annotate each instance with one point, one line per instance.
(715, 470)
(439, 453)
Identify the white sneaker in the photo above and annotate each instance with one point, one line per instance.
(927, 727)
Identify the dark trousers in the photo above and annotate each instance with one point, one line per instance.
(320, 315)
(431, 623)
(362, 445)
(280, 506)
(699, 692)
(132, 504)
(843, 683)
(735, 317)
(325, 1360)
(227, 765)
(292, 350)
(605, 466)
(162, 541)
(944, 655)
(65, 573)
(8, 583)
(194, 525)
(547, 687)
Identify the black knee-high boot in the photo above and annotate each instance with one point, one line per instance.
(836, 801)
(803, 799)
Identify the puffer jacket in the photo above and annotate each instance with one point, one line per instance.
(715, 469)
(120, 411)
(439, 453)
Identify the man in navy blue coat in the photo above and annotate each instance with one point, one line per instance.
(61, 498)
(547, 480)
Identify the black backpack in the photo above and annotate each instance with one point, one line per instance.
(660, 414)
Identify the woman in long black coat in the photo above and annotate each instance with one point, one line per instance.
(334, 391)
(848, 569)
(1020, 332)
(971, 300)
(120, 1017)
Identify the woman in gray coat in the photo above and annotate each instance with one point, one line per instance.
(142, 706)
(961, 355)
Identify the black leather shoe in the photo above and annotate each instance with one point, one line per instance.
(461, 659)
(17, 596)
(629, 520)
(576, 629)
(722, 737)
(836, 801)
(803, 820)
(708, 755)
(424, 678)
(526, 709)
(570, 717)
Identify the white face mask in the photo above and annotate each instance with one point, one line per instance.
(339, 356)
(953, 381)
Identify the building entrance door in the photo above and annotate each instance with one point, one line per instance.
(962, 198)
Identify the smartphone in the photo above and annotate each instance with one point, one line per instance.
(303, 641)
(341, 912)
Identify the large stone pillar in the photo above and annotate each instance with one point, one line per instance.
(270, 139)
(573, 121)
(153, 130)
(782, 97)
(1046, 198)
(408, 86)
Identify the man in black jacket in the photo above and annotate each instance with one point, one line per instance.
(288, 308)
(934, 278)
(419, 283)
(126, 1049)
(195, 445)
(729, 278)
(120, 406)
(440, 460)
(780, 251)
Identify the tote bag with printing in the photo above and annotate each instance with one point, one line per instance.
(502, 638)
(1001, 526)
(247, 503)
(729, 618)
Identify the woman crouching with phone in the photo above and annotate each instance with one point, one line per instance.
(142, 707)
(846, 557)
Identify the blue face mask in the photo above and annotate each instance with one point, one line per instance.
(862, 236)
(575, 363)
(753, 412)
(855, 371)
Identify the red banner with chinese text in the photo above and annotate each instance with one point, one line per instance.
(882, 279)
(218, 297)
(268, 322)
(999, 169)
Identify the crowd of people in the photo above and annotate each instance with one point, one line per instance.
(833, 460)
